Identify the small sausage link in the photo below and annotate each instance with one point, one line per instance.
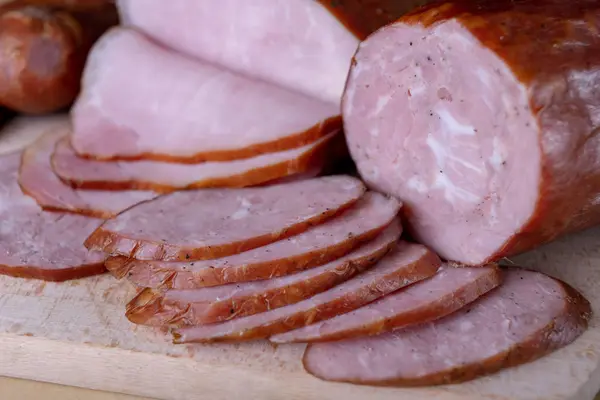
(43, 52)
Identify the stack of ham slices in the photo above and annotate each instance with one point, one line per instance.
(321, 260)
(44, 220)
(191, 168)
(194, 94)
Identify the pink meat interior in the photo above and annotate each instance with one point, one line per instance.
(141, 98)
(525, 304)
(435, 118)
(296, 44)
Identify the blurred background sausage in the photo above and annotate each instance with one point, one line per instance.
(43, 48)
(73, 4)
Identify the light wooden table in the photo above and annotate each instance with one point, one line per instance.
(17, 389)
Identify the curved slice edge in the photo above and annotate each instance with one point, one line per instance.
(151, 307)
(113, 243)
(37, 180)
(312, 156)
(299, 139)
(160, 274)
(437, 309)
(576, 315)
(375, 283)
(53, 275)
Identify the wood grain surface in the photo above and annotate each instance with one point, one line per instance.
(75, 333)
(19, 389)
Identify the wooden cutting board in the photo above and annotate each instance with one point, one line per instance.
(75, 333)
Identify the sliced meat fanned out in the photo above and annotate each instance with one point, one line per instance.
(304, 45)
(39, 181)
(480, 117)
(164, 176)
(446, 292)
(40, 244)
(221, 303)
(405, 264)
(179, 109)
(316, 246)
(213, 223)
(527, 317)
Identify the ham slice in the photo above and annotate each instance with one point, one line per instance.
(40, 244)
(479, 116)
(164, 176)
(527, 317)
(446, 292)
(304, 45)
(316, 246)
(221, 303)
(39, 181)
(404, 265)
(184, 110)
(213, 223)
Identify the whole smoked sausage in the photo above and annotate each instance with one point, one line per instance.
(43, 52)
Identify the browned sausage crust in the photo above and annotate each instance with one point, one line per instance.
(73, 5)
(544, 42)
(43, 52)
(363, 17)
(494, 105)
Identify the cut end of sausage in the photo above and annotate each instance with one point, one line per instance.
(425, 121)
(527, 317)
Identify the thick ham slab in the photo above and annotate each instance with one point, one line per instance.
(304, 45)
(446, 292)
(179, 109)
(222, 303)
(481, 117)
(404, 265)
(40, 244)
(527, 317)
(213, 223)
(164, 176)
(316, 246)
(37, 179)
